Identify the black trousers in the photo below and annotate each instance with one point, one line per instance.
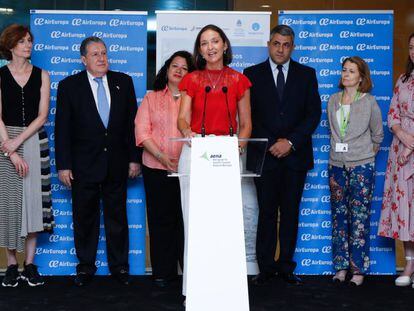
(278, 190)
(86, 199)
(165, 222)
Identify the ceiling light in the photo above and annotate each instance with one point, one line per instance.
(6, 10)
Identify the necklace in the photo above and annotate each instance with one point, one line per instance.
(213, 85)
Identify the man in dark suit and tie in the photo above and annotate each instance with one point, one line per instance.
(95, 155)
(286, 109)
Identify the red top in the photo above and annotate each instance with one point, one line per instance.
(216, 116)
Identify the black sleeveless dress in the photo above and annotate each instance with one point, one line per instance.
(25, 203)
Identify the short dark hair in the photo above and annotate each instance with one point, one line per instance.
(9, 38)
(366, 83)
(161, 79)
(283, 30)
(409, 67)
(87, 41)
(199, 61)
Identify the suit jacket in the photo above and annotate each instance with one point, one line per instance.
(295, 117)
(82, 143)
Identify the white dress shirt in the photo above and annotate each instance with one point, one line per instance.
(275, 71)
(94, 87)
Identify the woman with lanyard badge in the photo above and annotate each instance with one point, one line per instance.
(214, 98)
(356, 132)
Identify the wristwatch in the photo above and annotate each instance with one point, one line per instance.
(291, 145)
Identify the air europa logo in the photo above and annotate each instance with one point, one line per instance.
(326, 249)
(324, 97)
(75, 47)
(305, 237)
(114, 22)
(325, 148)
(324, 72)
(53, 263)
(326, 224)
(305, 212)
(53, 238)
(361, 21)
(54, 85)
(324, 123)
(39, 47)
(325, 199)
(324, 21)
(55, 60)
(76, 21)
(39, 21)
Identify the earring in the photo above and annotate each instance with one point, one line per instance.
(225, 52)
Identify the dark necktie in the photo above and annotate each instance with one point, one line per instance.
(280, 81)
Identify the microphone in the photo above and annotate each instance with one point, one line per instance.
(203, 120)
(225, 90)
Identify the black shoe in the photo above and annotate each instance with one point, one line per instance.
(82, 279)
(122, 276)
(356, 280)
(290, 278)
(262, 279)
(31, 276)
(11, 278)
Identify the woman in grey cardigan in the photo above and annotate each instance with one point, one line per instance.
(356, 132)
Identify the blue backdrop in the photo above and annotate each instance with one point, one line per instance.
(58, 35)
(323, 40)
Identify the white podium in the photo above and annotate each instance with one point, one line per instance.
(215, 260)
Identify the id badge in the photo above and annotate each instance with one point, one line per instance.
(341, 147)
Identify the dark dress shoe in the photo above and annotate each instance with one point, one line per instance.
(122, 276)
(82, 279)
(291, 278)
(262, 279)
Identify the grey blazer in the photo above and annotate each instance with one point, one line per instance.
(365, 130)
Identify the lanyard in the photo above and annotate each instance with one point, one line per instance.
(345, 118)
(344, 121)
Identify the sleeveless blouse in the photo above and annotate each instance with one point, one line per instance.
(20, 105)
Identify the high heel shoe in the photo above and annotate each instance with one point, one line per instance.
(339, 276)
(356, 280)
(405, 280)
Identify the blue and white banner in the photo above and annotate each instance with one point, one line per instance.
(248, 33)
(323, 40)
(58, 35)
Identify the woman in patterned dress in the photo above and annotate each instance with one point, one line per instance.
(397, 215)
(356, 133)
(25, 203)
